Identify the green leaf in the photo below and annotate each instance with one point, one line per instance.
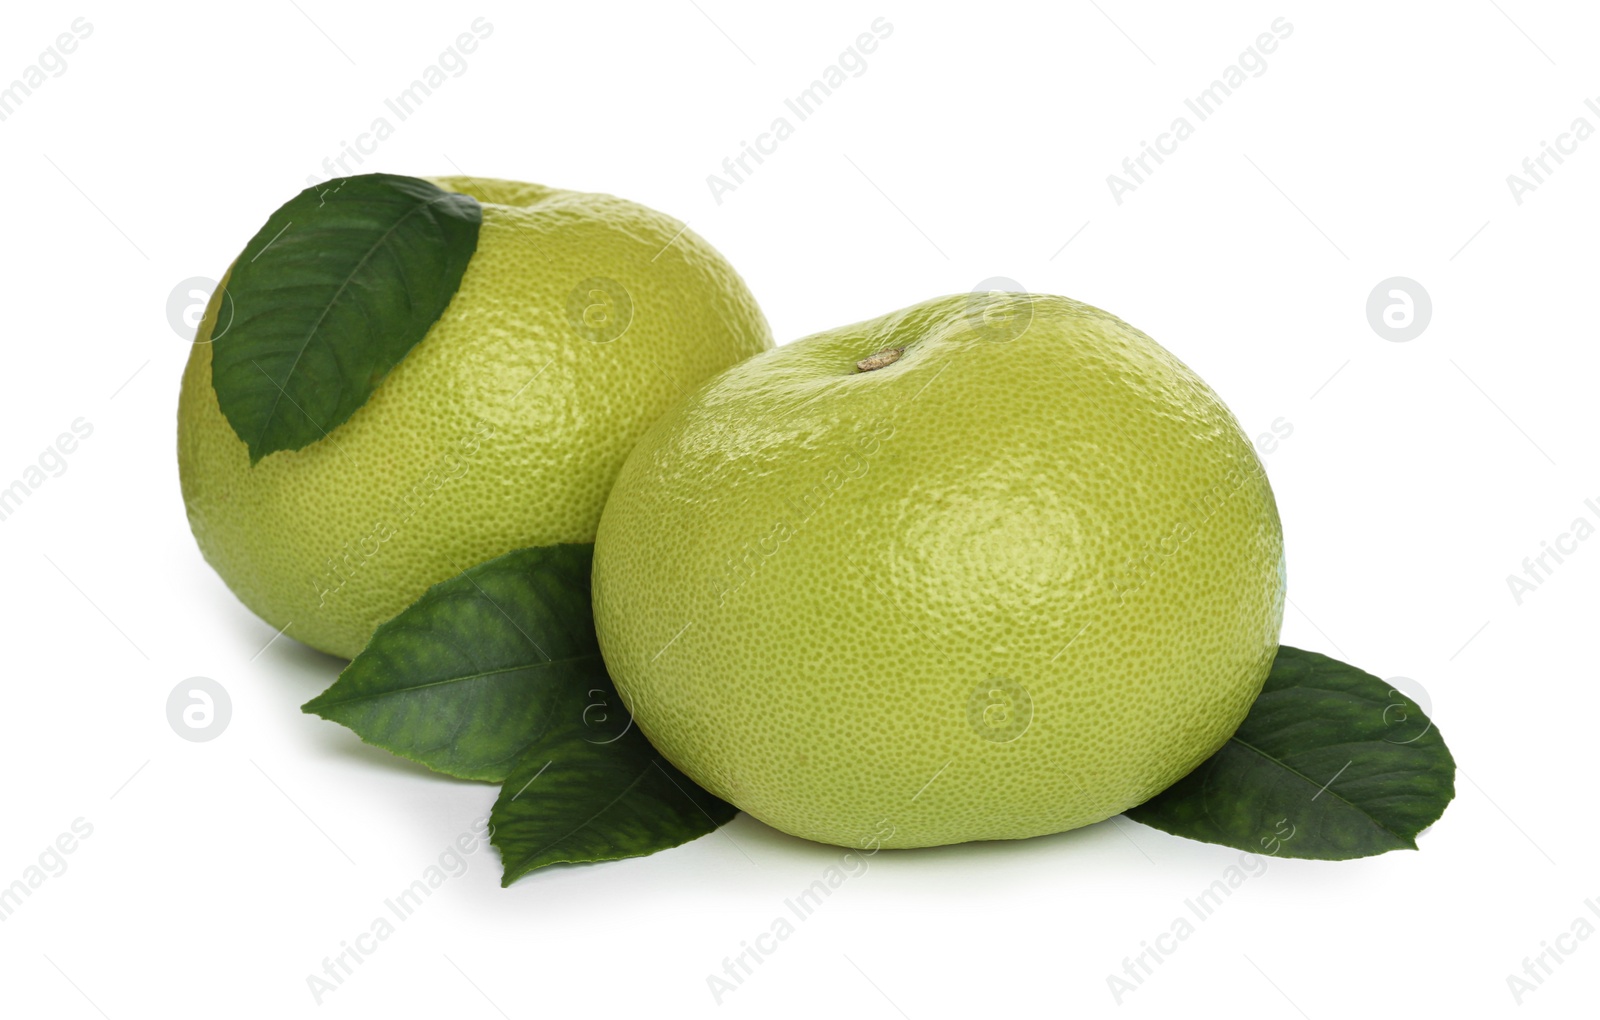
(1330, 764)
(581, 795)
(479, 667)
(342, 282)
(496, 674)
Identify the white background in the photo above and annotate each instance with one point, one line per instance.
(976, 144)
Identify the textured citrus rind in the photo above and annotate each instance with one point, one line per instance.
(504, 427)
(1017, 581)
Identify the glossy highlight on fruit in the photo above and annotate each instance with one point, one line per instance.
(988, 567)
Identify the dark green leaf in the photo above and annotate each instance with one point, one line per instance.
(593, 793)
(479, 667)
(344, 279)
(1330, 764)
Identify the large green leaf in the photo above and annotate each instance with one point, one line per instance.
(342, 282)
(596, 794)
(1330, 764)
(479, 667)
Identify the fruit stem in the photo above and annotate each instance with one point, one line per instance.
(888, 356)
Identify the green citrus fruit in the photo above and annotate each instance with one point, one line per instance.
(989, 567)
(580, 319)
